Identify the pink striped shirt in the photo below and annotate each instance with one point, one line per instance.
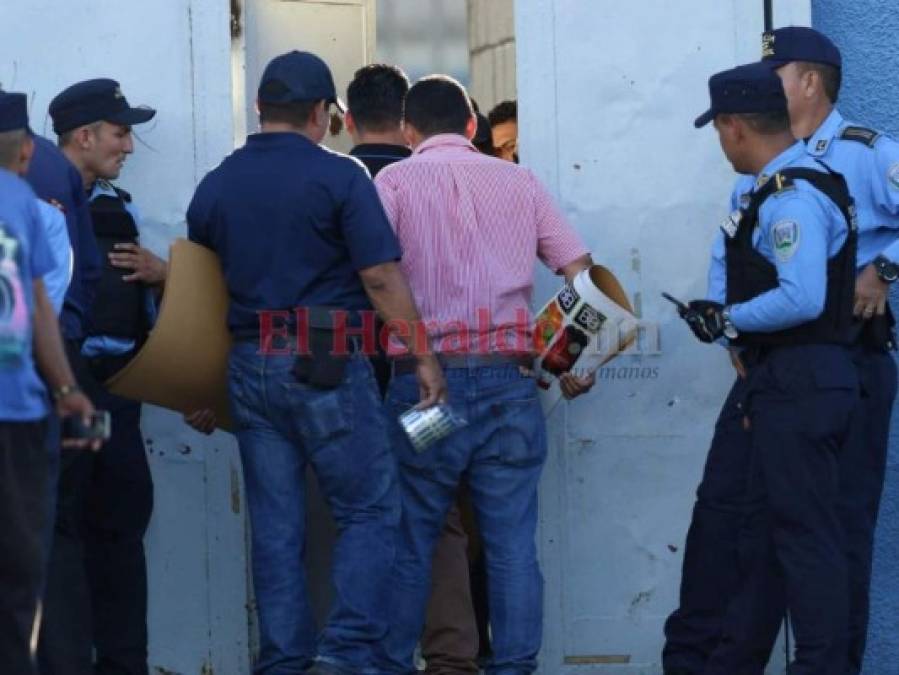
(471, 228)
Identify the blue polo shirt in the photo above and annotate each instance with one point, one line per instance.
(24, 257)
(293, 223)
(55, 179)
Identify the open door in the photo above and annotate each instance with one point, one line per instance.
(342, 32)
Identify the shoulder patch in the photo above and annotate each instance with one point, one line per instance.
(893, 175)
(785, 239)
(860, 135)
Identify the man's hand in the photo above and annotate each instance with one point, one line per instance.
(870, 294)
(574, 385)
(145, 265)
(705, 319)
(430, 381)
(201, 420)
(77, 403)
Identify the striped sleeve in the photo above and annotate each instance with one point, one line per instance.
(557, 241)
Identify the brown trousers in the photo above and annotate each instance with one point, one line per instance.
(449, 643)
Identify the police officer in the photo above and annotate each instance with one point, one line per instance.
(97, 591)
(810, 66)
(306, 248)
(30, 342)
(781, 289)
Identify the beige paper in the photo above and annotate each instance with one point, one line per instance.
(183, 364)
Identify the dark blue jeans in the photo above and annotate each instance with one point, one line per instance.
(501, 454)
(281, 427)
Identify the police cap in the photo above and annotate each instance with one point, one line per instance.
(94, 101)
(13, 111)
(799, 43)
(753, 88)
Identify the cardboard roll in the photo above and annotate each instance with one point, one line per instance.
(183, 365)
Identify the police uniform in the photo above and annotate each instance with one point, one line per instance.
(869, 161)
(783, 271)
(25, 256)
(292, 224)
(96, 599)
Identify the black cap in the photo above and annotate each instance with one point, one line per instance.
(752, 88)
(13, 111)
(798, 43)
(94, 101)
(298, 76)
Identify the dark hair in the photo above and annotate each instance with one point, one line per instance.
(296, 114)
(375, 97)
(767, 123)
(438, 104)
(503, 112)
(831, 77)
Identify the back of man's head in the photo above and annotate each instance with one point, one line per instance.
(375, 97)
(438, 104)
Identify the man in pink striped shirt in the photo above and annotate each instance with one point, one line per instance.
(471, 228)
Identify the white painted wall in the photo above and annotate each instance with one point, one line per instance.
(607, 96)
(173, 56)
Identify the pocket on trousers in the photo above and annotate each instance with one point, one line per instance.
(320, 415)
(520, 435)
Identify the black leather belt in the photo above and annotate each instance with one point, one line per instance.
(406, 365)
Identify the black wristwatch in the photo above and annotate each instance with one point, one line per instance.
(887, 270)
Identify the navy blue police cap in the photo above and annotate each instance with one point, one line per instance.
(799, 43)
(13, 111)
(753, 88)
(94, 101)
(298, 76)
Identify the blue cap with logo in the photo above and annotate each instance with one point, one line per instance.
(799, 43)
(298, 76)
(13, 111)
(753, 88)
(94, 101)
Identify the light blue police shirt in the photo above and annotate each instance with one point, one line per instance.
(106, 345)
(872, 174)
(799, 229)
(56, 281)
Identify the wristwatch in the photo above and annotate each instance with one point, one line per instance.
(730, 331)
(887, 270)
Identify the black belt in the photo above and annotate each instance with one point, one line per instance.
(406, 365)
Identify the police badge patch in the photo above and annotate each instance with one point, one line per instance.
(893, 176)
(568, 298)
(589, 319)
(785, 239)
(821, 145)
(745, 199)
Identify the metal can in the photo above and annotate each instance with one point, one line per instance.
(426, 427)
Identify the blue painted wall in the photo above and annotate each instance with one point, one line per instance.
(866, 33)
